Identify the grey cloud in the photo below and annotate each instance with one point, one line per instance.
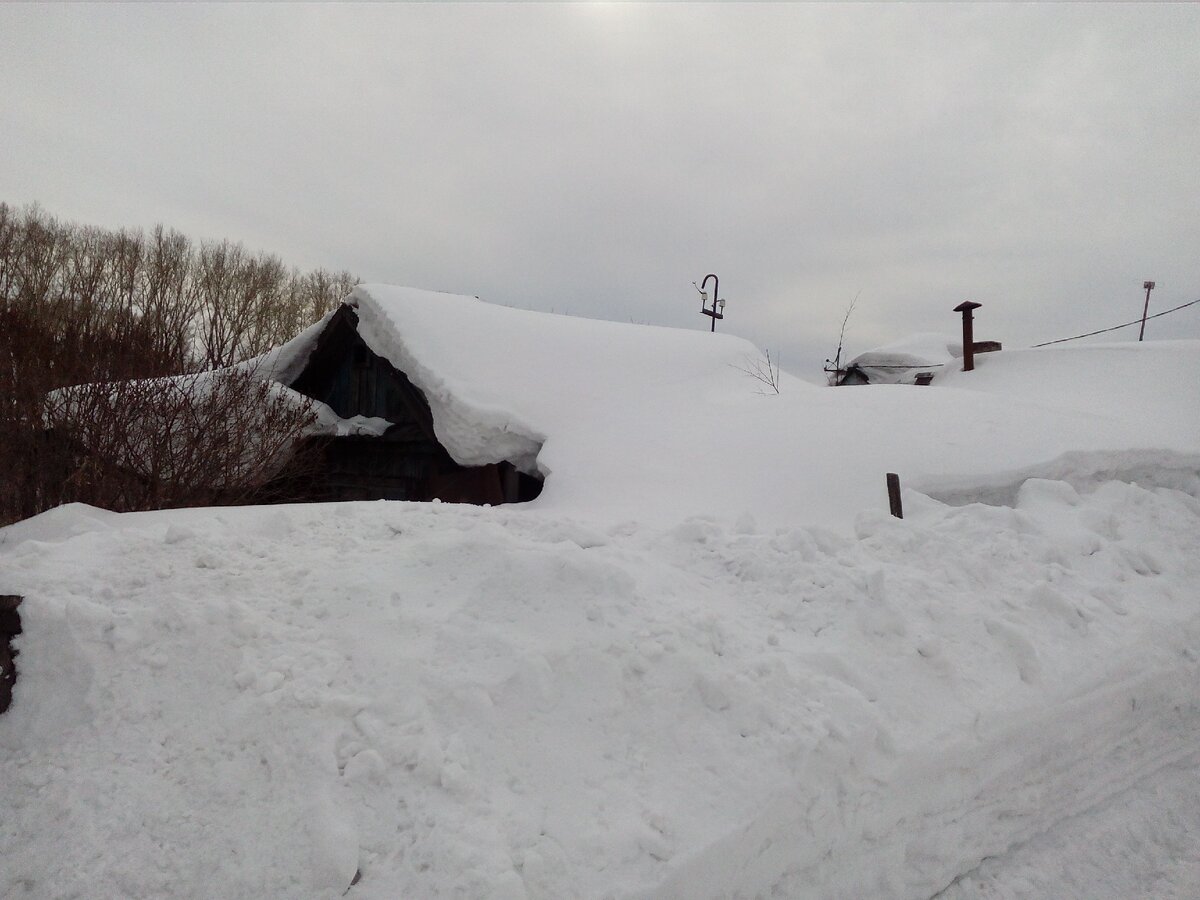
(596, 160)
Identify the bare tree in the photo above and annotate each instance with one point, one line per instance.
(107, 313)
(168, 298)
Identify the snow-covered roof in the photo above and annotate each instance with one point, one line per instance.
(501, 382)
(901, 361)
(622, 418)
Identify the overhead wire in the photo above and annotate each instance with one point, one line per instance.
(1116, 327)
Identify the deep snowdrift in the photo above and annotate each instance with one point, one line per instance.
(704, 663)
(481, 703)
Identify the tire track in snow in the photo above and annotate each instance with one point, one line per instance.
(1141, 842)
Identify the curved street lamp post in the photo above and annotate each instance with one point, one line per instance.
(718, 307)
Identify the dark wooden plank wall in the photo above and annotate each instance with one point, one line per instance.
(405, 463)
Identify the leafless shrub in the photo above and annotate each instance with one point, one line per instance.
(189, 440)
(763, 370)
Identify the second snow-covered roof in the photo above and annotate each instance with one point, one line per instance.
(900, 361)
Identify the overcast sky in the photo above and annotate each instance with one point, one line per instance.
(596, 160)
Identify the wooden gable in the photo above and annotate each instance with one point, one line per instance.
(406, 462)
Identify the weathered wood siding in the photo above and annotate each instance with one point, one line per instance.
(405, 463)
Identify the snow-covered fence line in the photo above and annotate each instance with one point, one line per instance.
(1082, 470)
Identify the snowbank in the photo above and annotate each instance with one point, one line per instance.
(498, 702)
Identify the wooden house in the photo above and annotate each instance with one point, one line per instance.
(405, 461)
(419, 395)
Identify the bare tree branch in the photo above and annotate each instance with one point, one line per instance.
(764, 370)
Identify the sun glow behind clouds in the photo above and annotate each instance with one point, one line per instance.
(611, 18)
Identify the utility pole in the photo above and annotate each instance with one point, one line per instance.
(1149, 286)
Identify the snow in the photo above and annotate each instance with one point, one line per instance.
(1152, 830)
(329, 422)
(705, 663)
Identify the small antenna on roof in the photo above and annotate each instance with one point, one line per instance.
(836, 362)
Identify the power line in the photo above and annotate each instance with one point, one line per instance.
(1115, 327)
(871, 365)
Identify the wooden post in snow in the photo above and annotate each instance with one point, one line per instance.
(893, 488)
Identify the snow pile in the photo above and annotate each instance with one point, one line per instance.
(476, 702)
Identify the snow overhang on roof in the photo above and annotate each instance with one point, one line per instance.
(501, 381)
(900, 362)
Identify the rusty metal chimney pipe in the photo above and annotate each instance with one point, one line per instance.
(968, 325)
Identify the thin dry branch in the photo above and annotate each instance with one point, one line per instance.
(834, 366)
(764, 370)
